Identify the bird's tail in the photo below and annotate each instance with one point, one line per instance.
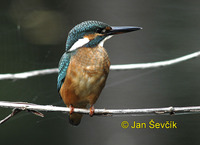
(75, 118)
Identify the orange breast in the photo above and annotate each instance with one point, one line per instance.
(86, 77)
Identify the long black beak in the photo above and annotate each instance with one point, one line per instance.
(122, 29)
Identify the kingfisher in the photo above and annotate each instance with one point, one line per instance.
(84, 66)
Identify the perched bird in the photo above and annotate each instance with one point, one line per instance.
(84, 66)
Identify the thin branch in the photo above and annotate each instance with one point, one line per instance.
(14, 112)
(155, 64)
(28, 74)
(109, 112)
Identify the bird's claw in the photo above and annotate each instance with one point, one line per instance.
(71, 108)
(91, 111)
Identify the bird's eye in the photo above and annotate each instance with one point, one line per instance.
(98, 30)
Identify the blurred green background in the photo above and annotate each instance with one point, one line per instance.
(33, 35)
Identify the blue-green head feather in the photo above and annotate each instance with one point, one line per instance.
(86, 28)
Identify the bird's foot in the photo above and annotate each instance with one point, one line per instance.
(91, 111)
(71, 109)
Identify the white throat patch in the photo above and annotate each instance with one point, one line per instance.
(79, 43)
(102, 42)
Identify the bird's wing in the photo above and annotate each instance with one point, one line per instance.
(62, 69)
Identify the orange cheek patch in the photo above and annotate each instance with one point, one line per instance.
(108, 28)
(93, 36)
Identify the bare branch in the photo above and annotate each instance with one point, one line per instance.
(49, 108)
(14, 112)
(155, 64)
(28, 74)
